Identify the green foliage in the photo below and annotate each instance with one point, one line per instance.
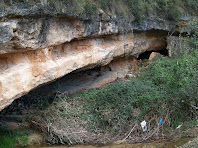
(145, 60)
(90, 8)
(104, 4)
(167, 84)
(177, 80)
(12, 138)
(191, 5)
(137, 8)
(171, 9)
(7, 142)
(116, 102)
(194, 32)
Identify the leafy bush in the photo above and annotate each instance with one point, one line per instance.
(177, 79)
(116, 103)
(167, 84)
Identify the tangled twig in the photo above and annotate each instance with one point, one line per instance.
(147, 137)
(129, 133)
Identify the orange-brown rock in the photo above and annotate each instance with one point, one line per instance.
(157, 40)
(153, 55)
(104, 79)
(22, 71)
(38, 46)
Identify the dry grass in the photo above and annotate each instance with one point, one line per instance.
(64, 123)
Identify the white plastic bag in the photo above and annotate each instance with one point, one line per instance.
(143, 125)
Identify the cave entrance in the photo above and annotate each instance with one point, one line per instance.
(146, 54)
(75, 82)
(41, 97)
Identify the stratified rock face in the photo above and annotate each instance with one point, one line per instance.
(35, 50)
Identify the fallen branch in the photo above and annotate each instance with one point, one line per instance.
(129, 133)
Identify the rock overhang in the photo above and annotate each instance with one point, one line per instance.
(37, 49)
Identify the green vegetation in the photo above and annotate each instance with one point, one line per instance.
(12, 138)
(167, 89)
(170, 9)
(168, 84)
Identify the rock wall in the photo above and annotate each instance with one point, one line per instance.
(37, 49)
(175, 44)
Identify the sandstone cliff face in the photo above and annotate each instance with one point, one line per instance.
(36, 48)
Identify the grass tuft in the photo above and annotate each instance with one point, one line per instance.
(12, 138)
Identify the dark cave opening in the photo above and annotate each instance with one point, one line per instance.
(146, 54)
(42, 96)
(164, 52)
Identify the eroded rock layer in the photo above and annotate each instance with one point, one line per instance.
(36, 50)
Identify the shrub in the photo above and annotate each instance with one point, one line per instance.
(167, 84)
(177, 79)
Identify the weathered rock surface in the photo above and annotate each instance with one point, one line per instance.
(176, 44)
(37, 49)
(153, 55)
